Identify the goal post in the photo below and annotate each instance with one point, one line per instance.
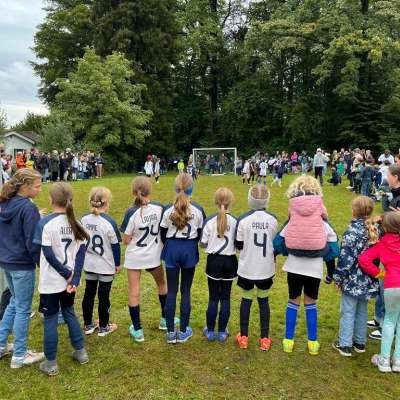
(215, 160)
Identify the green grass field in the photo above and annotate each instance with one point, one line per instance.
(122, 369)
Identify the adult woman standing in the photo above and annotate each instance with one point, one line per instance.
(18, 258)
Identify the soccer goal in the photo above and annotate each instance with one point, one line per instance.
(215, 160)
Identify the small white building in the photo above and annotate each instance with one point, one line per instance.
(19, 141)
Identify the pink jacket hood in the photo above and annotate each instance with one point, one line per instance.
(306, 205)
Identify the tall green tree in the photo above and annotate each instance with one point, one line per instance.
(31, 122)
(60, 41)
(103, 108)
(146, 31)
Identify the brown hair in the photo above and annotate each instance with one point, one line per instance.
(99, 196)
(24, 176)
(223, 198)
(363, 207)
(181, 214)
(141, 188)
(61, 195)
(391, 222)
(395, 171)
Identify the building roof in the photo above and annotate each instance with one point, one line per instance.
(29, 136)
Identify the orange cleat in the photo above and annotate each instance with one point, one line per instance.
(242, 341)
(265, 344)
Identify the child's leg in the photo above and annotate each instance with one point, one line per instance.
(245, 306)
(134, 297)
(312, 318)
(186, 285)
(295, 289)
(104, 303)
(392, 311)
(225, 308)
(74, 329)
(50, 336)
(348, 311)
(360, 326)
(213, 299)
(396, 354)
(173, 285)
(88, 300)
(330, 267)
(263, 304)
(159, 278)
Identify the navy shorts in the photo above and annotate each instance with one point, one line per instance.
(221, 267)
(182, 253)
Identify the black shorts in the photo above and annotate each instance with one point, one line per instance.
(221, 267)
(248, 284)
(297, 283)
(50, 303)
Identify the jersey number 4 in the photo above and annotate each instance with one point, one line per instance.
(262, 244)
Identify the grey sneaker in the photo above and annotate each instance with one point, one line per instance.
(396, 364)
(29, 358)
(89, 329)
(110, 328)
(5, 351)
(382, 363)
(81, 356)
(49, 367)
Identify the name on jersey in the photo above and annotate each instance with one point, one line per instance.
(260, 225)
(91, 227)
(150, 218)
(66, 230)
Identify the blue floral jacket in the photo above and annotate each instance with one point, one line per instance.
(348, 274)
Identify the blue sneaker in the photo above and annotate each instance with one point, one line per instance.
(222, 336)
(163, 323)
(210, 335)
(183, 337)
(171, 337)
(138, 335)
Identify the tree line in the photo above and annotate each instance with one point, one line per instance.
(176, 74)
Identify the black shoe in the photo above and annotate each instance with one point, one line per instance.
(343, 351)
(359, 348)
(373, 324)
(328, 280)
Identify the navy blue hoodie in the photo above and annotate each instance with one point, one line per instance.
(18, 220)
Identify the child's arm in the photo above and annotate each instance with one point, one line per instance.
(116, 250)
(51, 258)
(79, 261)
(126, 239)
(366, 261)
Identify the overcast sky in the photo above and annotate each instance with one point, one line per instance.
(18, 84)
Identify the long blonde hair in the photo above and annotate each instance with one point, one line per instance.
(99, 196)
(24, 176)
(304, 185)
(181, 214)
(223, 198)
(141, 188)
(61, 195)
(363, 207)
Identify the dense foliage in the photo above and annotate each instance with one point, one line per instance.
(252, 74)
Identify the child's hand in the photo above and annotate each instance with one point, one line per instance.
(43, 212)
(395, 209)
(71, 288)
(117, 270)
(337, 286)
(381, 275)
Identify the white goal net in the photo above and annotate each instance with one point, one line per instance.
(215, 160)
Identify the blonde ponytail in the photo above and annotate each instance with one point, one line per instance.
(181, 214)
(23, 176)
(99, 196)
(223, 198)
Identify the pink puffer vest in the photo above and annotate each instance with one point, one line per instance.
(306, 230)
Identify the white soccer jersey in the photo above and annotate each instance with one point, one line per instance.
(219, 245)
(148, 168)
(263, 168)
(56, 232)
(257, 230)
(246, 168)
(307, 266)
(143, 224)
(103, 233)
(190, 231)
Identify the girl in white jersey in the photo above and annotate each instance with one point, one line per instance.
(180, 232)
(157, 170)
(102, 262)
(255, 232)
(63, 249)
(148, 167)
(141, 227)
(262, 175)
(218, 239)
(246, 172)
